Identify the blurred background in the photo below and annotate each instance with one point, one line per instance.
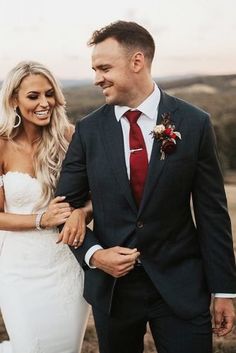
(192, 37)
(195, 60)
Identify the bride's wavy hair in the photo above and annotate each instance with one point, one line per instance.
(53, 144)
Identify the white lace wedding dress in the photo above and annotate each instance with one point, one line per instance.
(41, 283)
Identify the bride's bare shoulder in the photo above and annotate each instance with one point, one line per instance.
(2, 151)
(5, 145)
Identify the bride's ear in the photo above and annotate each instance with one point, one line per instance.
(14, 100)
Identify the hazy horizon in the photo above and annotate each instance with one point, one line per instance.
(192, 38)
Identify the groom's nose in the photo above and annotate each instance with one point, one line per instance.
(99, 78)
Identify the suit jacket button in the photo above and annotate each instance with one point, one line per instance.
(140, 224)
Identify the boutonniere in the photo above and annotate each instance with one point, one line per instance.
(166, 134)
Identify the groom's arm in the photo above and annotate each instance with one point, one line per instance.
(212, 217)
(214, 231)
(73, 180)
(73, 184)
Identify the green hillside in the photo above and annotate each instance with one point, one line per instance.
(214, 94)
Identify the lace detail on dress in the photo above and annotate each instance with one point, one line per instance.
(22, 192)
(42, 279)
(70, 269)
(1, 181)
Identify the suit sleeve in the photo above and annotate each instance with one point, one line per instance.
(73, 183)
(212, 218)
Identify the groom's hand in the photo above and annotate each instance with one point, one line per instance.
(116, 261)
(224, 316)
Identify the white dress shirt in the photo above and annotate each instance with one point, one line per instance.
(146, 121)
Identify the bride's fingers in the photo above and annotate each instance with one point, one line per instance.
(56, 209)
(73, 236)
(63, 215)
(57, 199)
(66, 235)
(78, 241)
(79, 238)
(62, 205)
(76, 244)
(82, 233)
(61, 212)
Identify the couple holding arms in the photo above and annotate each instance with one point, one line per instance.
(134, 165)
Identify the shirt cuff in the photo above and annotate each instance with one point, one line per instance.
(90, 253)
(225, 295)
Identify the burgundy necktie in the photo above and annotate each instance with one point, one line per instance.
(138, 156)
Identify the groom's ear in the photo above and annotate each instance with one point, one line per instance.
(137, 61)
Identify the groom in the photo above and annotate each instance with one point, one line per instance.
(148, 259)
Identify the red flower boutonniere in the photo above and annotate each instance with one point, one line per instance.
(166, 134)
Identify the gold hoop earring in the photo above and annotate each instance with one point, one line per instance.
(19, 119)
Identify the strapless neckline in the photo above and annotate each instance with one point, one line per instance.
(22, 192)
(20, 173)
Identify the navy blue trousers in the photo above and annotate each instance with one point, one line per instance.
(137, 302)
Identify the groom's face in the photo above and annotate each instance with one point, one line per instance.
(113, 71)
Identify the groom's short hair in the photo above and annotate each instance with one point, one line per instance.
(128, 34)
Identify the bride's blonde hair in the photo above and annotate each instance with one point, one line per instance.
(53, 144)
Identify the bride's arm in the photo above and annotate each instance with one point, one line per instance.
(74, 230)
(56, 214)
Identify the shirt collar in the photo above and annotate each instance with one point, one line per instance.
(148, 107)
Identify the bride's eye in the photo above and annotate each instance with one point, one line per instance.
(32, 96)
(50, 93)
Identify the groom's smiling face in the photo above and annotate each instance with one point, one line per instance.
(113, 72)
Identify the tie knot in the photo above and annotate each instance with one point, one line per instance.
(133, 115)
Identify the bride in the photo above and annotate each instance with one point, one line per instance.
(41, 283)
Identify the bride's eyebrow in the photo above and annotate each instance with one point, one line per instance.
(37, 92)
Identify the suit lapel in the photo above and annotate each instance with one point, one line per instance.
(112, 137)
(156, 165)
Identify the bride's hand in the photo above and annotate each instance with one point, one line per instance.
(57, 213)
(74, 229)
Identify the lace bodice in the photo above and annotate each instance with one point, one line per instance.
(41, 283)
(22, 192)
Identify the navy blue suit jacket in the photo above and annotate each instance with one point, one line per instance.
(187, 257)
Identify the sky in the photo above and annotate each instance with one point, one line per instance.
(191, 36)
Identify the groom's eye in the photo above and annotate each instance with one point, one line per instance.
(105, 68)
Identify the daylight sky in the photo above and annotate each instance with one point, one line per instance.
(192, 36)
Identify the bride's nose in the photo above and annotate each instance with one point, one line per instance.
(43, 101)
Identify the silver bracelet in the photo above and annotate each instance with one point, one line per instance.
(38, 220)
